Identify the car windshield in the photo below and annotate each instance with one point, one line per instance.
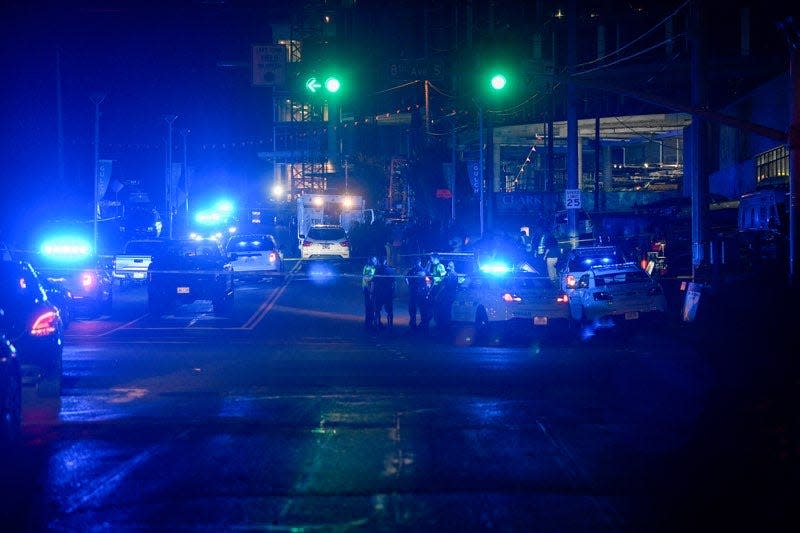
(581, 259)
(326, 234)
(191, 249)
(251, 243)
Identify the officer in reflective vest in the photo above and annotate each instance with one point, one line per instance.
(368, 288)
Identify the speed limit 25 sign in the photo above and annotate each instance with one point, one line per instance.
(572, 198)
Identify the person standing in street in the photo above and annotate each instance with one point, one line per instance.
(384, 283)
(445, 297)
(417, 292)
(368, 288)
(552, 253)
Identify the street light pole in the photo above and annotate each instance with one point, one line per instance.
(168, 175)
(96, 99)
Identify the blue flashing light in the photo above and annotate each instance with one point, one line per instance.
(495, 268)
(597, 260)
(207, 218)
(66, 248)
(224, 206)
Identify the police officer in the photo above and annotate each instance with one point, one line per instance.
(368, 288)
(417, 292)
(445, 297)
(384, 283)
(437, 271)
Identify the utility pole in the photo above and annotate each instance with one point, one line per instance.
(97, 99)
(185, 133)
(792, 33)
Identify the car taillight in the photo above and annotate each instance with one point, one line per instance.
(508, 297)
(346, 244)
(45, 324)
(603, 296)
(562, 299)
(570, 281)
(306, 243)
(87, 279)
(273, 257)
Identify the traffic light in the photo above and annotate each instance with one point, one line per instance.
(498, 82)
(332, 84)
(326, 84)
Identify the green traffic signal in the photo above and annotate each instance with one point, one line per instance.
(498, 82)
(332, 84)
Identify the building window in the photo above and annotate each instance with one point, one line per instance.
(773, 164)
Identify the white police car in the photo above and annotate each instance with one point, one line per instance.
(616, 293)
(500, 301)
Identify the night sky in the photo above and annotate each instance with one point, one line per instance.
(149, 62)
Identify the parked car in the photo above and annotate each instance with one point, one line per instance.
(131, 265)
(10, 389)
(33, 324)
(617, 293)
(187, 270)
(501, 301)
(254, 255)
(85, 275)
(324, 241)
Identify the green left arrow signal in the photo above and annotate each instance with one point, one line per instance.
(313, 85)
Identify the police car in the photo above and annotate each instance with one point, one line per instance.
(615, 293)
(69, 262)
(502, 301)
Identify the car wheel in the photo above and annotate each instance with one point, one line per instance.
(107, 306)
(50, 384)
(11, 406)
(482, 328)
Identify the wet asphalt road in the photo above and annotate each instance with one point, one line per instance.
(289, 416)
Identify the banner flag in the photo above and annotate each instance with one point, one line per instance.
(103, 176)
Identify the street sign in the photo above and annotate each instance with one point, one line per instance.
(572, 198)
(269, 65)
(408, 69)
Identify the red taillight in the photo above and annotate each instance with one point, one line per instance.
(570, 281)
(562, 299)
(273, 257)
(346, 244)
(87, 279)
(45, 324)
(306, 243)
